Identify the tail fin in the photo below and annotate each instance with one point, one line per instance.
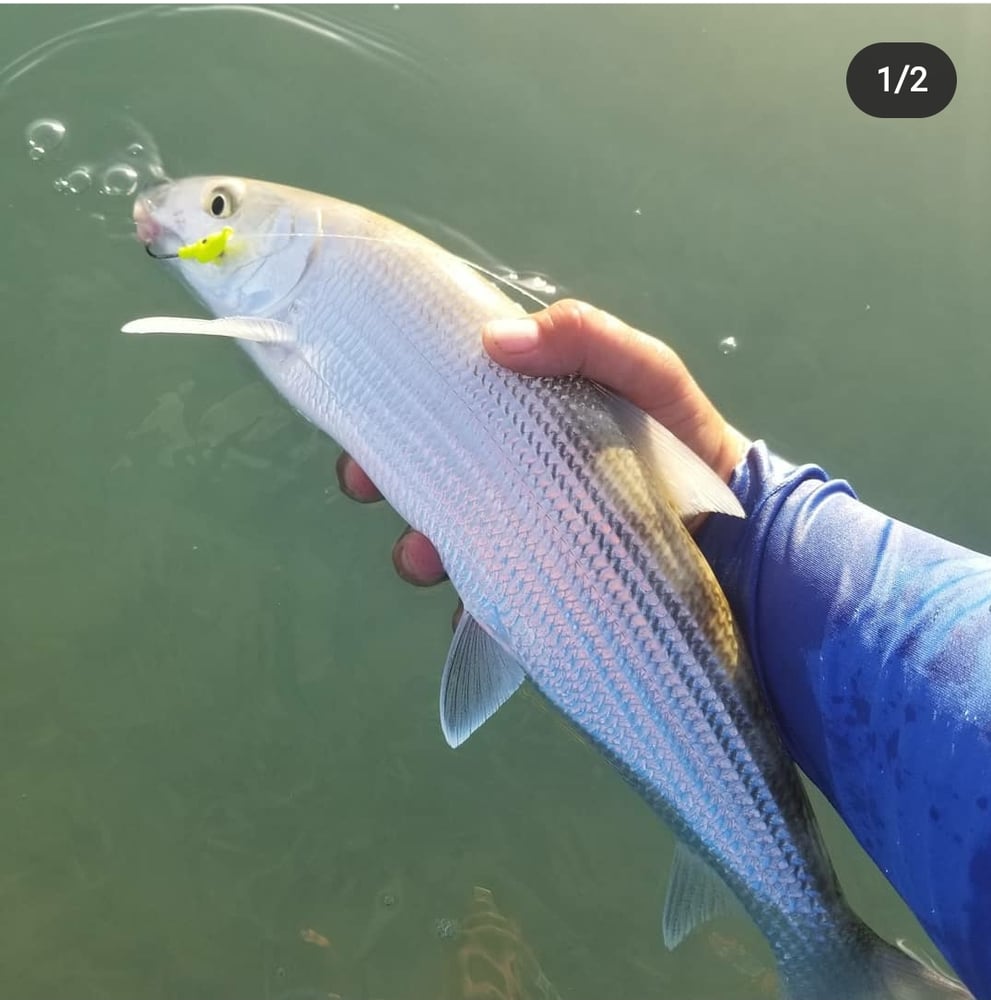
(879, 971)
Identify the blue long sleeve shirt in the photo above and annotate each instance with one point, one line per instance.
(873, 642)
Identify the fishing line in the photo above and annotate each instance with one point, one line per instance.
(214, 246)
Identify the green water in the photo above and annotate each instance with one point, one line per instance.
(218, 721)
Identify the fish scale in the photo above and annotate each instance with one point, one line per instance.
(616, 716)
(559, 534)
(619, 714)
(620, 582)
(676, 645)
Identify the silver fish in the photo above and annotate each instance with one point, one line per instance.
(558, 510)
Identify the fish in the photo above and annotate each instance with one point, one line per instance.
(558, 510)
(491, 960)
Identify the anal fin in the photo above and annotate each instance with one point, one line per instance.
(695, 894)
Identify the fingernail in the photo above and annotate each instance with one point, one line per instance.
(514, 336)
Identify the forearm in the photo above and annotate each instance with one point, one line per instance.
(873, 641)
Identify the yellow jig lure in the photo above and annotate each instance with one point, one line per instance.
(207, 249)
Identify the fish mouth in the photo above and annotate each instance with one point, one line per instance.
(159, 241)
(147, 227)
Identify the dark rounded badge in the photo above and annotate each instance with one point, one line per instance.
(901, 80)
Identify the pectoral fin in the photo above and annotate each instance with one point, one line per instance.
(695, 894)
(263, 331)
(684, 478)
(479, 677)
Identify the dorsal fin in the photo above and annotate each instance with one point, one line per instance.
(678, 472)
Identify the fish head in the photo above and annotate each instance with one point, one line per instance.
(241, 246)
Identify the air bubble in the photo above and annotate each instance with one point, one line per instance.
(43, 135)
(74, 182)
(537, 283)
(728, 345)
(119, 180)
(135, 149)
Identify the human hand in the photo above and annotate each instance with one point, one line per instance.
(571, 337)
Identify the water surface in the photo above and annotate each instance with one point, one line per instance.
(217, 704)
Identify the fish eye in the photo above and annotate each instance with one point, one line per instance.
(220, 202)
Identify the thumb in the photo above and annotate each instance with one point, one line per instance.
(555, 341)
(574, 338)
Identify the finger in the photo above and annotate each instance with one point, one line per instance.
(574, 338)
(416, 560)
(353, 481)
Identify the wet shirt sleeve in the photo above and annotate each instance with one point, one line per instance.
(873, 642)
